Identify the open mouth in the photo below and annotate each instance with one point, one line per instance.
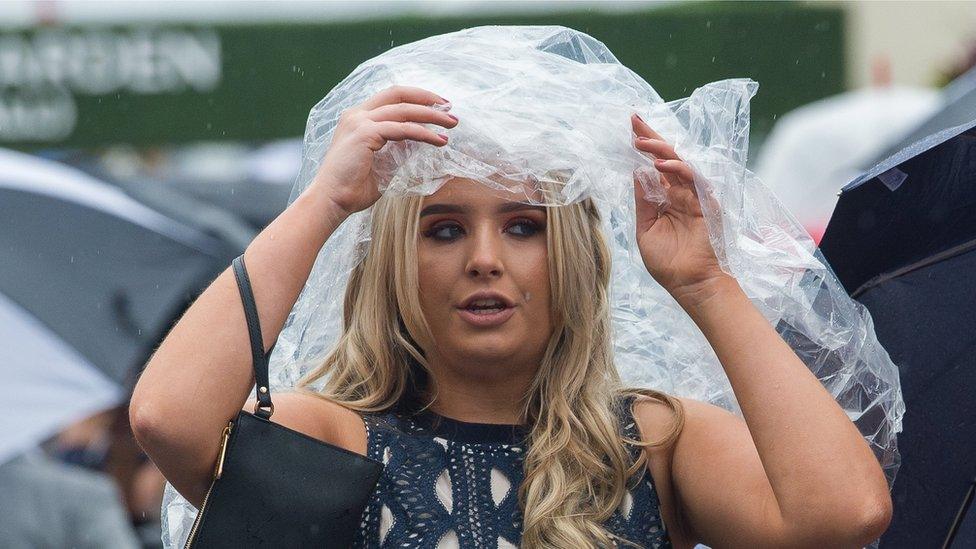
(486, 307)
(486, 312)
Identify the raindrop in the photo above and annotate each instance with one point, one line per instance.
(708, 24)
(713, 59)
(72, 260)
(823, 74)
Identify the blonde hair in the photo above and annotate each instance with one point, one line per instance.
(576, 463)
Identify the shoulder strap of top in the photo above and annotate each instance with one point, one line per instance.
(628, 424)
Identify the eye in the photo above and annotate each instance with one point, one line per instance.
(444, 231)
(525, 227)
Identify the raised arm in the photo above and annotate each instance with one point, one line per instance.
(797, 472)
(200, 376)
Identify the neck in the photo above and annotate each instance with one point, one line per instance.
(480, 399)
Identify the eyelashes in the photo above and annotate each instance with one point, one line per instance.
(448, 231)
(436, 231)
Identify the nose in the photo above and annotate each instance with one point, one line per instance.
(484, 258)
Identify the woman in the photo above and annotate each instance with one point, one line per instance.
(503, 321)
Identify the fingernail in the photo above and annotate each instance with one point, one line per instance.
(659, 161)
(454, 118)
(642, 138)
(442, 136)
(639, 117)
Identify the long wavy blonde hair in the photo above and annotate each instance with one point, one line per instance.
(576, 462)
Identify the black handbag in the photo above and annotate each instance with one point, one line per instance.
(274, 486)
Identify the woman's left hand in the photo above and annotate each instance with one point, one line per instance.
(673, 241)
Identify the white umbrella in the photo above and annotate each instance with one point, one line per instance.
(50, 384)
(816, 149)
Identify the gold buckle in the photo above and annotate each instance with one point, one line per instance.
(223, 450)
(257, 406)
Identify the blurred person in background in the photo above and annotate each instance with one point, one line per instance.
(104, 443)
(88, 486)
(47, 503)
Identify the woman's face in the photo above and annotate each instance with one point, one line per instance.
(484, 278)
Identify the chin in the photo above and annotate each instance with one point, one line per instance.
(486, 350)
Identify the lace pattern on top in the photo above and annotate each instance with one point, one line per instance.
(453, 484)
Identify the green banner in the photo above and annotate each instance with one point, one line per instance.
(92, 86)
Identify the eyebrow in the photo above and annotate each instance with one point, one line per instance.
(453, 208)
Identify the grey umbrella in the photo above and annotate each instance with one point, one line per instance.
(103, 272)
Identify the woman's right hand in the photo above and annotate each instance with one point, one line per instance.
(346, 174)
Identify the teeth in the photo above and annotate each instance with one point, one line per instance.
(486, 303)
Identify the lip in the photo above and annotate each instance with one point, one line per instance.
(486, 320)
(486, 294)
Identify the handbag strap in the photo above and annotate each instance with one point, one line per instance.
(264, 407)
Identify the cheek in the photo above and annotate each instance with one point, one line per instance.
(433, 278)
(536, 283)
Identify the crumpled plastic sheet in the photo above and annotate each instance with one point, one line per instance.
(541, 100)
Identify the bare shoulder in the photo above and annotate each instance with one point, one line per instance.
(655, 420)
(319, 418)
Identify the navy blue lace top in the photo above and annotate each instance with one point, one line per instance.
(450, 483)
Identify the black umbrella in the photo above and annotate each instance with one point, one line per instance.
(103, 272)
(902, 240)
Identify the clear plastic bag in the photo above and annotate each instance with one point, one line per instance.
(542, 100)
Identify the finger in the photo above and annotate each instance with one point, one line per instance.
(642, 129)
(678, 168)
(401, 131)
(403, 94)
(406, 112)
(659, 148)
(646, 212)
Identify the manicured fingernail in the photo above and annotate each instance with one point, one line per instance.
(442, 136)
(454, 118)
